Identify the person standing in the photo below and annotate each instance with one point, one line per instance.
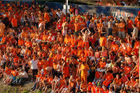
(84, 72)
(14, 22)
(135, 32)
(121, 29)
(34, 67)
(129, 26)
(64, 28)
(110, 27)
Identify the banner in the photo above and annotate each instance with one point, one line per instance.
(115, 11)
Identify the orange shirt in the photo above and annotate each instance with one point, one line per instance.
(74, 52)
(54, 13)
(62, 82)
(89, 87)
(14, 73)
(46, 17)
(55, 66)
(129, 48)
(24, 34)
(103, 41)
(102, 64)
(109, 76)
(136, 20)
(99, 90)
(127, 69)
(80, 43)
(138, 25)
(73, 41)
(114, 47)
(117, 81)
(20, 42)
(84, 71)
(67, 40)
(99, 27)
(28, 44)
(82, 25)
(28, 52)
(121, 26)
(97, 74)
(40, 64)
(129, 24)
(77, 27)
(105, 91)
(136, 45)
(14, 22)
(8, 71)
(86, 52)
(16, 59)
(79, 52)
(66, 71)
(93, 89)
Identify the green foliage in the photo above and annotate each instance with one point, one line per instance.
(25, 91)
(8, 90)
(16, 90)
(38, 91)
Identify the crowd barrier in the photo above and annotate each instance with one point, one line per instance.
(108, 10)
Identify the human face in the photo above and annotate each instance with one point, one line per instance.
(86, 32)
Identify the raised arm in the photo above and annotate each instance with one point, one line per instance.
(89, 32)
(83, 30)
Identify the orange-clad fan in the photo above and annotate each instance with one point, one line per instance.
(70, 53)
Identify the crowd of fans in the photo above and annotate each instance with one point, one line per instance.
(119, 2)
(73, 53)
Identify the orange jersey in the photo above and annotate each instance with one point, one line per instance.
(46, 17)
(77, 27)
(20, 42)
(121, 27)
(103, 41)
(129, 23)
(14, 22)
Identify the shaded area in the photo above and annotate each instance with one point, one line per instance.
(18, 89)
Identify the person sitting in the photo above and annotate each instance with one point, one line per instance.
(23, 76)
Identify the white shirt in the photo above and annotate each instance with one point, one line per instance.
(110, 25)
(23, 51)
(23, 74)
(40, 24)
(2, 62)
(111, 92)
(59, 14)
(135, 32)
(34, 64)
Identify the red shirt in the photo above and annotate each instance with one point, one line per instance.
(129, 24)
(59, 26)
